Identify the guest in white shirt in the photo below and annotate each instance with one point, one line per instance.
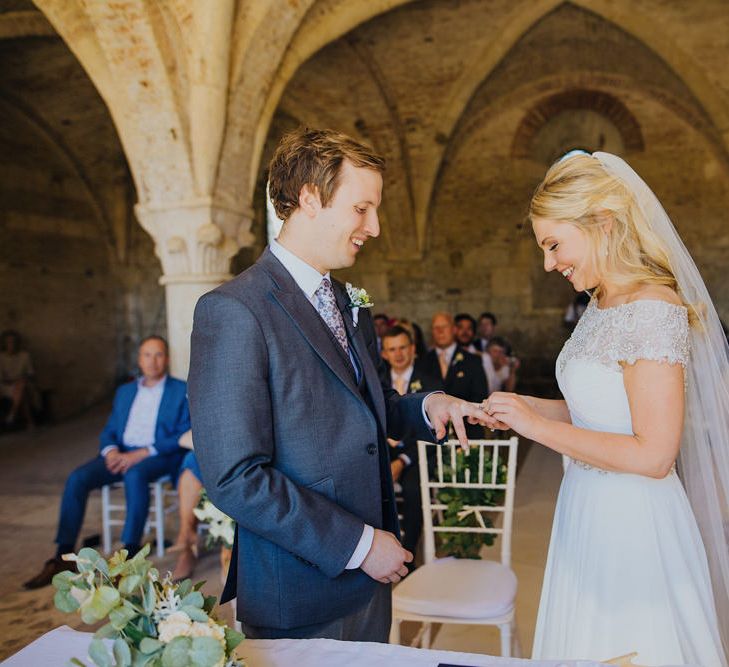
(500, 367)
(138, 445)
(486, 330)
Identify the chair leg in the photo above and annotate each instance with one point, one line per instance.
(505, 632)
(105, 519)
(159, 518)
(395, 631)
(516, 642)
(426, 638)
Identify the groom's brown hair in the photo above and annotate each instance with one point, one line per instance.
(314, 158)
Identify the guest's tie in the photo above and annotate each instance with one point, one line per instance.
(327, 307)
(443, 362)
(400, 385)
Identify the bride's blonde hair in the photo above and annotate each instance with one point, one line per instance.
(579, 190)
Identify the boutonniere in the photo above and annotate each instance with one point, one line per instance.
(458, 358)
(416, 386)
(358, 298)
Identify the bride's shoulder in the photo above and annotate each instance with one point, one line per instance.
(655, 293)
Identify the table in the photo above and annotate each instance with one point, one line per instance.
(57, 647)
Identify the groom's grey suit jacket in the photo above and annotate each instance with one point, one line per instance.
(291, 446)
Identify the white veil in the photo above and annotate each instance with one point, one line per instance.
(703, 462)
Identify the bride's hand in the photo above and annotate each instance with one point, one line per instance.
(512, 411)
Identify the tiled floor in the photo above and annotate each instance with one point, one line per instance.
(34, 466)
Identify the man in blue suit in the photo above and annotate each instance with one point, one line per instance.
(138, 445)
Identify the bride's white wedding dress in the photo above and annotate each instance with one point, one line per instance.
(626, 570)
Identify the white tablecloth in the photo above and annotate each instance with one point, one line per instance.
(56, 648)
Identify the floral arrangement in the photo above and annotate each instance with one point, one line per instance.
(358, 297)
(151, 621)
(458, 503)
(221, 528)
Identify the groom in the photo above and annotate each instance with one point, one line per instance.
(289, 417)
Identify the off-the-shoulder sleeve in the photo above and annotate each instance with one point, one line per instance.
(653, 330)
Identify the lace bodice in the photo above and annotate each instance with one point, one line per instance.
(647, 329)
(588, 367)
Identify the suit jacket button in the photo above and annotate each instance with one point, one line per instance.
(372, 449)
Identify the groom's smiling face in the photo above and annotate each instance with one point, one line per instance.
(350, 219)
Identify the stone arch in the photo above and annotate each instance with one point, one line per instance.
(624, 16)
(603, 103)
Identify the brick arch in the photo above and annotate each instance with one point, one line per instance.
(600, 102)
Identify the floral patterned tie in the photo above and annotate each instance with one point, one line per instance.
(327, 307)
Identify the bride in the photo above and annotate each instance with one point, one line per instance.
(636, 563)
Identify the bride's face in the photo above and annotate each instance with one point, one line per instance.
(566, 249)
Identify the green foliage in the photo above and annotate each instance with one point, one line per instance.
(468, 545)
(148, 620)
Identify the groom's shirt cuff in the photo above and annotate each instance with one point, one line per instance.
(363, 548)
(422, 407)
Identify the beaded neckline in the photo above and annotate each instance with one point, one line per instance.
(607, 309)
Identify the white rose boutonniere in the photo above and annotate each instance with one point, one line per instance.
(358, 298)
(458, 358)
(416, 386)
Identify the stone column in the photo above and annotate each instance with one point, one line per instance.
(195, 241)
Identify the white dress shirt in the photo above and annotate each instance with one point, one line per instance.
(142, 421)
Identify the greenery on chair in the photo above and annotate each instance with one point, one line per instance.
(468, 545)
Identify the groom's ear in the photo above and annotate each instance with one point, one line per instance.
(309, 200)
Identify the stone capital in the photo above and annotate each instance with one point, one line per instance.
(195, 239)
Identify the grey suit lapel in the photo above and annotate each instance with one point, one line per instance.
(290, 297)
(356, 338)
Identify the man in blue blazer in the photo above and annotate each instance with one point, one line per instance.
(138, 445)
(289, 417)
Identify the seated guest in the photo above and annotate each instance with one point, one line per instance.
(462, 372)
(16, 373)
(466, 332)
(382, 324)
(138, 445)
(407, 375)
(500, 367)
(189, 486)
(486, 330)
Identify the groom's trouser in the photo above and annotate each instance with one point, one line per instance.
(369, 624)
(94, 474)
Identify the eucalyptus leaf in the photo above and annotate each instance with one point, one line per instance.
(206, 652)
(195, 613)
(149, 600)
(63, 581)
(184, 588)
(99, 653)
(199, 585)
(209, 603)
(233, 638)
(122, 654)
(64, 601)
(107, 631)
(129, 583)
(134, 633)
(76, 661)
(149, 645)
(90, 559)
(120, 616)
(98, 606)
(177, 653)
(194, 599)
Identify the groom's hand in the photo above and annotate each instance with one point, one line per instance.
(386, 558)
(442, 408)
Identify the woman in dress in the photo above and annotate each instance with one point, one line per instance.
(644, 377)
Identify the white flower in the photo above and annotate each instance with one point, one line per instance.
(358, 297)
(81, 594)
(177, 624)
(167, 604)
(209, 629)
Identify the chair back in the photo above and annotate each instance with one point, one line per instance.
(489, 465)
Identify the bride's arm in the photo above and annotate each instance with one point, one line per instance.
(550, 408)
(656, 398)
